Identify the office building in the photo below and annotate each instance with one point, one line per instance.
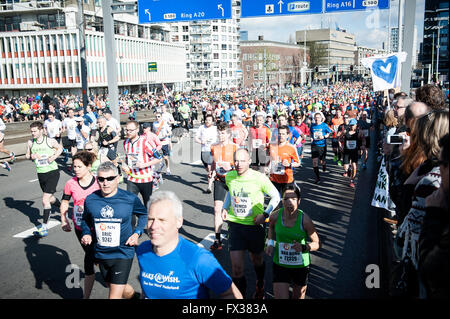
(434, 55)
(329, 48)
(40, 50)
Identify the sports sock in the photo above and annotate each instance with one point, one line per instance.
(218, 237)
(46, 217)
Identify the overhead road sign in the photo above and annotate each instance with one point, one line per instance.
(267, 8)
(158, 11)
(354, 5)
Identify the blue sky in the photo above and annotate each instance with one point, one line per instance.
(369, 27)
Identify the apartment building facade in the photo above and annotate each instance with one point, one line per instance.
(212, 51)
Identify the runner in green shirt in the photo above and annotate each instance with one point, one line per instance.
(244, 211)
(44, 151)
(291, 253)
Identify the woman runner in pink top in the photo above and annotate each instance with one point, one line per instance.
(78, 188)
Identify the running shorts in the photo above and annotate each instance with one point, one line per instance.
(319, 152)
(350, 156)
(281, 187)
(296, 276)
(48, 181)
(246, 237)
(206, 158)
(165, 150)
(220, 190)
(115, 271)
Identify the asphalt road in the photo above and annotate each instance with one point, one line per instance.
(347, 226)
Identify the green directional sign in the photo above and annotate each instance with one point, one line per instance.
(152, 67)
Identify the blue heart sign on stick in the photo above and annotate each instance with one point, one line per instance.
(385, 70)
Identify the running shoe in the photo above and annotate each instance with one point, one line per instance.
(6, 166)
(339, 162)
(317, 181)
(41, 232)
(335, 158)
(168, 173)
(12, 156)
(352, 185)
(216, 246)
(364, 166)
(344, 175)
(208, 191)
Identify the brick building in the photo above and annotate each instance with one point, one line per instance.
(274, 62)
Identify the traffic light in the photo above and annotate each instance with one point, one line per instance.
(334, 68)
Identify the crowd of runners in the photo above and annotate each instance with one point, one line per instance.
(250, 150)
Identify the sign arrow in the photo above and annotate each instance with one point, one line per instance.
(219, 7)
(149, 15)
(280, 3)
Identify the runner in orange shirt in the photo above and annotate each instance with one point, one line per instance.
(283, 157)
(223, 161)
(337, 121)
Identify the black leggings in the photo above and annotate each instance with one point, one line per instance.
(145, 189)
(89, 255)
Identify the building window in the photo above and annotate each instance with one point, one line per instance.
(185, 37)
(185, 28)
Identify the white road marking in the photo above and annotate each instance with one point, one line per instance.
(33, 180)
(29, 232)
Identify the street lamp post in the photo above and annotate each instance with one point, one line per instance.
(438, 46)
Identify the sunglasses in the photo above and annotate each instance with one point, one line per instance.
(109, 178)
(88, 149)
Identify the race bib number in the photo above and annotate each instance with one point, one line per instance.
(318, 135)
(108, 234)
(288, 256)
(366, 133)
(132, 160)
(351, 145)
(257, 143)
(78, 215)
(278, 168)
(43, 161)
(235, 134)
(242, 206)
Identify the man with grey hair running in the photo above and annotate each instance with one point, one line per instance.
(172, 267)
(107, 222)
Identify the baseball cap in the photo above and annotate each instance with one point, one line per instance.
(107, 110)
(146, 125)
(352, 122)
